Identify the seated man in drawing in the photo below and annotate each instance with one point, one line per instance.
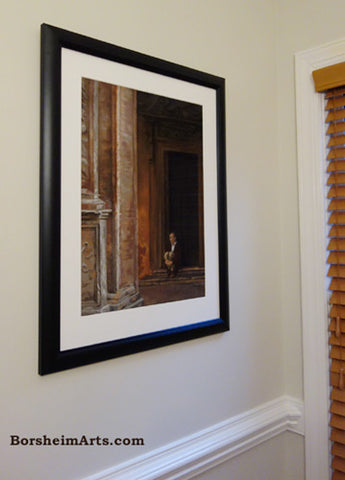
(172, 256)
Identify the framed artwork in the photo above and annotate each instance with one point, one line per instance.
(133, 224)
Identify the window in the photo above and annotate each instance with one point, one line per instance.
(331, 82)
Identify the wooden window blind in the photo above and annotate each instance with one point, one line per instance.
(331, 81)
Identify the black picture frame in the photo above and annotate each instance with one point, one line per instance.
(51, 357)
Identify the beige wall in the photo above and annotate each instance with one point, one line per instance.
(168, 393)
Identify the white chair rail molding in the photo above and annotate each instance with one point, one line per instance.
(197, 453)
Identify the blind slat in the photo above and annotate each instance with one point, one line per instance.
(338, 449)
(334, 380)
(337, 140)
(338, 436)
(336, 153)
(337, 285)
(336, 244)
(336, 218)
(335, 115)
(336, 191)
(338, 353)
(337, 231)
(337, 271)
(336, 258)
(338, 464)
(333, 328)
(337, 365)
(340, 341)
(338, 409)
(338, 421)
(335, 92)
(337, 394)
(336, 204)
(338, 476)
(335, 102)
(337, 311)
(338, 298)
(336, 166)
(336, 179)
(336, 128)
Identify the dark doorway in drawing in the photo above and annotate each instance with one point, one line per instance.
(183, 198)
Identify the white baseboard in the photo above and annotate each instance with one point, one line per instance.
(192, 455)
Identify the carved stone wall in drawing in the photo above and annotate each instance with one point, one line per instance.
(93, 211)
(125, 225)
(144, 182)
(109, 198)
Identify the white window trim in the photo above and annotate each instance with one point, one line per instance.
(311, 167)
